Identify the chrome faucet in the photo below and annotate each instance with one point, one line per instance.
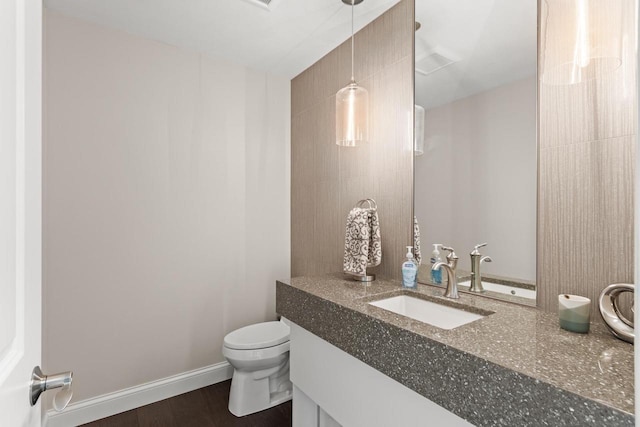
(450, 268)
(476, 260)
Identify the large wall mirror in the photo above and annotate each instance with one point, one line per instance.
(476, 139)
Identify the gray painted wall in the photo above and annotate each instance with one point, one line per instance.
(166, 205)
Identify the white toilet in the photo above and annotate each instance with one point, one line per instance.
(259, 355)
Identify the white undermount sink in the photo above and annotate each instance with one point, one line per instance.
(504, 289)
(441, 316)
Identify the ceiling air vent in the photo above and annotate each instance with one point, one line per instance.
(264, 4)
(430, 62)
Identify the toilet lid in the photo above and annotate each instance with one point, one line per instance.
(260, 335)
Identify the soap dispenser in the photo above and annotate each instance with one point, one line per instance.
(436, 275)
(409, 271)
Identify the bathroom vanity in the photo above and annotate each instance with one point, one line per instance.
(501, 154)
(513, 366)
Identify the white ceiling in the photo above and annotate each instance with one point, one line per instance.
(493, 41)
(284, 40)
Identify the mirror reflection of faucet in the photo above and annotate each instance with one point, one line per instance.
(476, 260)
(450, 268)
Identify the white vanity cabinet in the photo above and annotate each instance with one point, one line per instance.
(333, 388)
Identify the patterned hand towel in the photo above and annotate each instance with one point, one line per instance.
(362, 243)
(417, 253)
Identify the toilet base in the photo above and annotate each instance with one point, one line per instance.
(255, 391)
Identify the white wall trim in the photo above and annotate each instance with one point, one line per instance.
(109, 404)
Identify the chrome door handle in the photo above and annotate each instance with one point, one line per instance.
(41, 383)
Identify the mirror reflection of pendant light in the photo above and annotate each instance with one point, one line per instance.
(352, 105)
(418, 117)
(418, 147)
(581, 40)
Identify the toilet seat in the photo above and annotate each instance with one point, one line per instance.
(255, 354)
(258, 336)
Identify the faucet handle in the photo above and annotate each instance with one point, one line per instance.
(452, 254)
(476, 247)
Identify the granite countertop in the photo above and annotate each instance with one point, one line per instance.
(513, 367)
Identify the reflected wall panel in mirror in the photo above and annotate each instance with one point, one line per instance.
(476, 162)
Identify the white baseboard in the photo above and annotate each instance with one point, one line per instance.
(109, 404)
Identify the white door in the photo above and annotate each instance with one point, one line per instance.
(20, 207)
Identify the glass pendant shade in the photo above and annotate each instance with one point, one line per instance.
(581, 40)
(352, 116)
(418, 136)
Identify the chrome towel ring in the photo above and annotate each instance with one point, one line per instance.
(372, 204)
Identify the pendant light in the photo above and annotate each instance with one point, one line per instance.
(352, 105)
(581, 40)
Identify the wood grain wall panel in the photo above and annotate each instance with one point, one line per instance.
(594, 110)
(318, 82)
(586, 219)
(328, 180)
(590, 111)
(586, 173)
(386, 42)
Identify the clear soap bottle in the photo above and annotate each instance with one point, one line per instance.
(436, 275)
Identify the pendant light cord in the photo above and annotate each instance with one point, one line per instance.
(353, 80)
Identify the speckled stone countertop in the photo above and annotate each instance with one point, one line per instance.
(514, 367)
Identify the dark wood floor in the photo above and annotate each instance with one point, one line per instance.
(206, 407)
